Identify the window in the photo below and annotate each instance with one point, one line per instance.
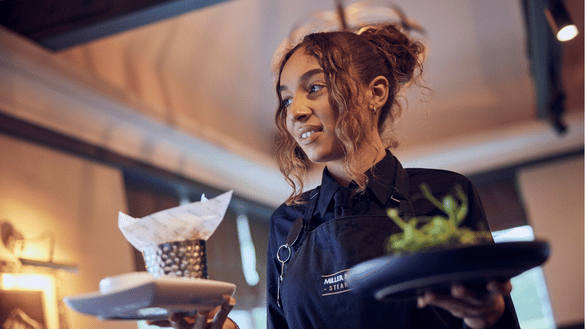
(529, 292)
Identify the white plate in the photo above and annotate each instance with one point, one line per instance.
(140, 296)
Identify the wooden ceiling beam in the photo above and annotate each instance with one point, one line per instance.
(61, 24)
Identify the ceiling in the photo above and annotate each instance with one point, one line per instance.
(211, 67)
(206, 73)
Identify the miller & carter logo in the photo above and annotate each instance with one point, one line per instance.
(334, 283)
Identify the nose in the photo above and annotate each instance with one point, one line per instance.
(299, 109)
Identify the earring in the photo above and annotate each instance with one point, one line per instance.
(374, 110)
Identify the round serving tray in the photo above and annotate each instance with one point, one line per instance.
(408, 275)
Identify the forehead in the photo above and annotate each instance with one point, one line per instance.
(297, 65)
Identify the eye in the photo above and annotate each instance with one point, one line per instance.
(286, 102)
(315, 87)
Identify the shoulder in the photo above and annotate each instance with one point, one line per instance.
(436, 177)
(292, 212)
(440, 182)
(421, 173)
(283, 217)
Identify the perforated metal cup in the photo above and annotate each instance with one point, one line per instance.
(180, 258)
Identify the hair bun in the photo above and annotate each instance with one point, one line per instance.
(403, 53)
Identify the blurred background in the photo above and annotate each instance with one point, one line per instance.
(109, 106)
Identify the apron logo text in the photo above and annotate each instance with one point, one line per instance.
(334, 283)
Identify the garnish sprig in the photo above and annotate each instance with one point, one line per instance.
(436, 230)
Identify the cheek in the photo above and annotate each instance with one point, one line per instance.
(289, 126)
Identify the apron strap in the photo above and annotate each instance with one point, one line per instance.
(310, 209)
(296, 234)
(400, 194)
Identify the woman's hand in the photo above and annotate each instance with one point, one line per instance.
(216, 319)
(479, 310)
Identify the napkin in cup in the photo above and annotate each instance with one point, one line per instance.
(194, 221)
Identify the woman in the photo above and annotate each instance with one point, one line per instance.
(337, 93)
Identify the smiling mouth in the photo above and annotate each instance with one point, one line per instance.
(305, 135)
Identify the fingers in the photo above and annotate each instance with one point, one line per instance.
(177, 321)
(223, 312)
(457, 306)
(159, 323)
(201, 320)
(479, 309)
(478, 295)
(180, 321)
(502, 288)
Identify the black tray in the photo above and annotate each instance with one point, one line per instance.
(409, 275)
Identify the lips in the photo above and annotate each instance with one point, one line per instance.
(307, 134)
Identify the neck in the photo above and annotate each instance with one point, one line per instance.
(368, 156)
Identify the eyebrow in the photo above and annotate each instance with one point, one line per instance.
(303, 78)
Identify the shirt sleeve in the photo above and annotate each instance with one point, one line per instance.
(477, 219)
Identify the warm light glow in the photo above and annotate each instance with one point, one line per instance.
(567, 33)
(35, 282)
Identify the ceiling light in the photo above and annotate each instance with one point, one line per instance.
(560, 21)
(351, 18)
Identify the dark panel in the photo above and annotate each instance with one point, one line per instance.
(58, 24)
(500, 195)
(502, 204)
(545, 55)
(572, 326)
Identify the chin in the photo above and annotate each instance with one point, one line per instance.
(322, 154)
(322, 158)
(315, 158)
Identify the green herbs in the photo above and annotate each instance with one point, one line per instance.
(426, 232)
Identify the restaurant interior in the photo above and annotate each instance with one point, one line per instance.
(110, 106)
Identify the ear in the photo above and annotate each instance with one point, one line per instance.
(379, 91)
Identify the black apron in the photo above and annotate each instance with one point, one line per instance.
(313, 292)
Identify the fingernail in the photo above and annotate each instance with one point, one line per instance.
(457, 291)
(222, 314)
(420, 302)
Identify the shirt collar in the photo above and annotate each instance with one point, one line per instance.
(328, 188)
(381, 179)
(381, 183)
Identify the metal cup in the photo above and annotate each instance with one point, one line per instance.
(179, 258)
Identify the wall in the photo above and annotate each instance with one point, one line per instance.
(77, 200)
(41, 89)
(553, 198)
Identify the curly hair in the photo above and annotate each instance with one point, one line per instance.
(350, 60)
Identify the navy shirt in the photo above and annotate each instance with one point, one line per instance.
(386, 181)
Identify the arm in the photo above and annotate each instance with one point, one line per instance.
(491, 308)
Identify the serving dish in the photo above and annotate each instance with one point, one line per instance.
(141, 296)
(409, 275)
